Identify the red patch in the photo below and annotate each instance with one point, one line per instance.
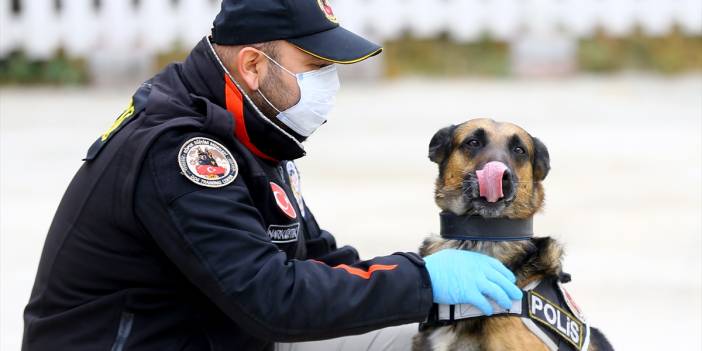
(281, 198)
(571, 303)
(327, 9)
(328, 12)
(210, 170)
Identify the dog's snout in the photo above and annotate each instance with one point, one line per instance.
(507, 184)
(507, 176)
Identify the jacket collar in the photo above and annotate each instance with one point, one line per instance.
(204, 75)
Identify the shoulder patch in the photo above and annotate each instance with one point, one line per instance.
(208, 163)
(570, 302)
(280, 234)
(294, 177)
(281, 198)
(555, 317)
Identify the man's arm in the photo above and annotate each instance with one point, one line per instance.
(217, 239)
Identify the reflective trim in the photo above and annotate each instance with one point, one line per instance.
(341, 62)
(540, 334)
(125, 328)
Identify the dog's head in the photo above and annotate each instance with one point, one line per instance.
(490, 169)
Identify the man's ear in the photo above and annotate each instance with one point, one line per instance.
(250, 66)
(542, 160)
(440, 144)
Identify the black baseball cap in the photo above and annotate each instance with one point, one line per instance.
(308, 24)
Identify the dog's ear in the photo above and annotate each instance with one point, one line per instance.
(440, 144)
(542, 160)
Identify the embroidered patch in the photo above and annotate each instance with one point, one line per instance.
(294, 177)
(571, 304)
(281, 198)
(554, 317)
(206, 162)
(327, 10)
(281, 234)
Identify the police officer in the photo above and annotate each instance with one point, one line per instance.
(185, 228)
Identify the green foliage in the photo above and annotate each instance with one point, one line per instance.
(177, 53)
(445, 57)
(670, 54)
(17, 68)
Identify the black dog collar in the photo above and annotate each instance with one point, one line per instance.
(479, 228)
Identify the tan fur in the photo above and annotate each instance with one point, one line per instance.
(529, 195)
(548, 262)
(499, 333)
(509, 334)
(502, 333)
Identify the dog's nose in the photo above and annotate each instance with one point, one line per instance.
(506, 176)
(507, 184)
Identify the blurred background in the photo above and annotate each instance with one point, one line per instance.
(613, 88)
(88, 41)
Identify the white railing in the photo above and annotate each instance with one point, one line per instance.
(118, 26)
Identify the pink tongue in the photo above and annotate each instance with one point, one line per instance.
(490, 180)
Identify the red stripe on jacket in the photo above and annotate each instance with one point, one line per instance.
(365, 274)
(235, 105)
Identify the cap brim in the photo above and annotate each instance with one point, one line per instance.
(337, 45)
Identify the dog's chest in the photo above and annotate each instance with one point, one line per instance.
(548, 320)
(445, 339)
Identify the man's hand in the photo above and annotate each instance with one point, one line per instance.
(465, 277)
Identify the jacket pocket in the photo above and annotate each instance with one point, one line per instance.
(125, 327)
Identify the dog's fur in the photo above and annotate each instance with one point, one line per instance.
(460, 151)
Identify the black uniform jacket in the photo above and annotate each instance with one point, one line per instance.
(141, 257)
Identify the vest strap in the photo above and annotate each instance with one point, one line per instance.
(544, 309)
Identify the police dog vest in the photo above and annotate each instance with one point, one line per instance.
(546, 309)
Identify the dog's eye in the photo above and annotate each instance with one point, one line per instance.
(474, 143)
(518, 150)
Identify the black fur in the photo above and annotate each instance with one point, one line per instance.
(598, 340)
(531, 252)
(478, 135)
(515, 142)
(441, 143)
(542, 160)
(540, 256)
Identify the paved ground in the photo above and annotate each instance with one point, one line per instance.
(624, 194)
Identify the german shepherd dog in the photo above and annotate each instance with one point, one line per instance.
(463, 152)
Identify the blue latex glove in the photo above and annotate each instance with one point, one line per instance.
(465, 277)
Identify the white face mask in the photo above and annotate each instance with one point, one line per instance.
(318, 90)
